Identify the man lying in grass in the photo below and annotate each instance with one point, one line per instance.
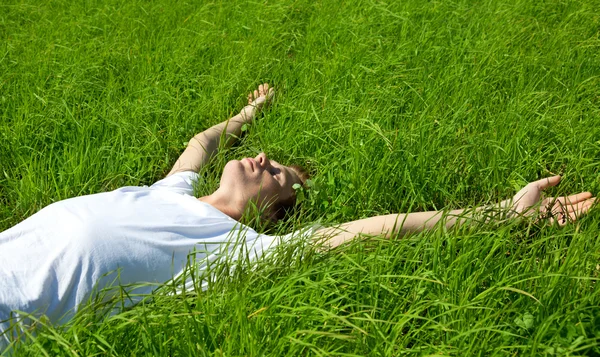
(58, 258)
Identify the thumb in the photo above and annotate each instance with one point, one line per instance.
(548, 182)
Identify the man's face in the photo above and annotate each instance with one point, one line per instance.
(260, 180)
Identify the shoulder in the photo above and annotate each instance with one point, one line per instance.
(181, 182)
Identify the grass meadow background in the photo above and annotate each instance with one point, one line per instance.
(395, 106)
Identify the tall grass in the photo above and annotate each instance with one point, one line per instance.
(395, 106)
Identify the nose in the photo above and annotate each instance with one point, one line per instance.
(262, 160)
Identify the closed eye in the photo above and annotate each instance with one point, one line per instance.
(274, 171)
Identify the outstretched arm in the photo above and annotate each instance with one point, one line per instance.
(203, 145)
(527, 202)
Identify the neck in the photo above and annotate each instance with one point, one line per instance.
(225, 203)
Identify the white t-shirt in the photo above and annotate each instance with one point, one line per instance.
(61, 256)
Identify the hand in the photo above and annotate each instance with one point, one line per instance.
(528, 201)
(261, 97)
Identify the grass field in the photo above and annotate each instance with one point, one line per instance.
(396, 106)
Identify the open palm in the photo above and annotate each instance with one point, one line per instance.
(261, 97)
(528, 202)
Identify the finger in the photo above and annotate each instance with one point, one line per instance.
(574, 199)
(256, 95)
(265, 88)
(563, 219)
(585, 207)
(581, 207)
(573, 216)
(261, 89)
(565, 214)
(558, 219)
(547, 182)
(270, 93)
(250, 99)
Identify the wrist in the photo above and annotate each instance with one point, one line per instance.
(248, 112)
(509, 209)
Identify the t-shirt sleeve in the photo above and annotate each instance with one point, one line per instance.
(181, 182)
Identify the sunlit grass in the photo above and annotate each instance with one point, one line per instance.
(395, 106)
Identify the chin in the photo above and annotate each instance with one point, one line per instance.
(236, 173)
(234, 169)
(237, 177)
(233, 163)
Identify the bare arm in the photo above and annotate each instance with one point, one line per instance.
(527, 202)
(204, 145)
(387, 225)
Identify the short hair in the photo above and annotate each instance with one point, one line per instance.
(284, 208)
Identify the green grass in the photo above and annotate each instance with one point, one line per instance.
(397, 106)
